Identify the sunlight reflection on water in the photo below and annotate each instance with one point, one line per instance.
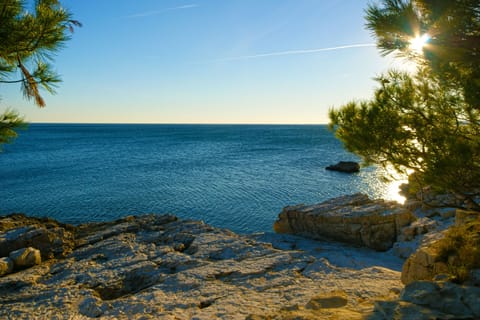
(392, 191)
(387, 184)
(237, 177)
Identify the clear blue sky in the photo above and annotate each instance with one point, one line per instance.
(209, 61)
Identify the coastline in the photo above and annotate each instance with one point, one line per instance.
(160, 266)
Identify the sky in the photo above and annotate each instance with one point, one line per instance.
(209, 61)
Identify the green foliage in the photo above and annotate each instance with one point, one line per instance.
(28, 40)
(452, 53)
(426, 121)
(9, 122)
(460, 249)
(414, 123)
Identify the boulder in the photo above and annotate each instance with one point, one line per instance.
(6, 266)
(25, 257)
(345, 166)
(423, 265)
(353, 219)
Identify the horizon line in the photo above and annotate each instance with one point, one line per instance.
(184, 123)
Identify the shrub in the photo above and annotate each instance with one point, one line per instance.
(460, 249)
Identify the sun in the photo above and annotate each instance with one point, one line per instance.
(417, 43)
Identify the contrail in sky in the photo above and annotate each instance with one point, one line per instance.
(155, 12)
(295, 52)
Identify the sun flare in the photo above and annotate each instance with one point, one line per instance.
(418, 43)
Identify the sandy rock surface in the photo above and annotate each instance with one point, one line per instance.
(155, 266)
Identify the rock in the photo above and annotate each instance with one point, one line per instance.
(345, 166)
(330, 300)
(430, 198)
(404, 249)
(423, 265)
(91, 307)
(442, 277)
(354, 219)
(25, 257)
(418, 227)
(53, 239)
(464, 216)
(445, 297)
(474, 278)
(161, 267)
(447, 213)
(6, 266)
(431, 300)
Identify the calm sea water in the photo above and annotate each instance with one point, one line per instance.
(232, 176)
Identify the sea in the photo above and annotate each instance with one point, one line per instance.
(230, 176)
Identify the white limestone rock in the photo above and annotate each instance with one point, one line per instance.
(161, 267)
(353, 219)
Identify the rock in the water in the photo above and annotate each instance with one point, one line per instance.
(25, 257)
(354, 219)
(6, 266)
(345, 166)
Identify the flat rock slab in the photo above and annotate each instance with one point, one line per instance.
(355, 219)
(160, 267)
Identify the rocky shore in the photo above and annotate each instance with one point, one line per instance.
(162, 267)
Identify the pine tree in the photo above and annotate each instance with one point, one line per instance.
(27, 42)
(428, 121)
(453, 30)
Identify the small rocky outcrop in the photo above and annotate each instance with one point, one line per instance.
(25, 241)
(345, 166)
(423, 265)
(52, 238)
(354, 219)
(432, 258)
(430, 198)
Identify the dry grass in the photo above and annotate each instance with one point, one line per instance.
(460, 249)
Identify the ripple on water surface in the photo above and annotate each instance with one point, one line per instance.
(238, 177)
